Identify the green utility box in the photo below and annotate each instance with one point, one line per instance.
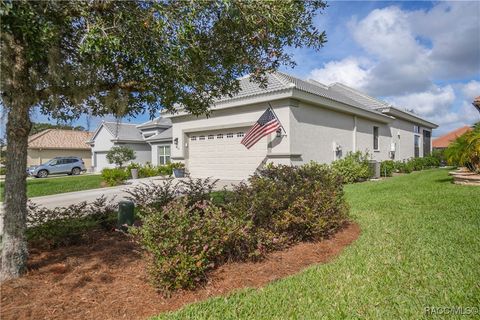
(126, 214)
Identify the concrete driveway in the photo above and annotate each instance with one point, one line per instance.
(117, 193)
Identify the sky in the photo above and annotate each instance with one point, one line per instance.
(417, 55)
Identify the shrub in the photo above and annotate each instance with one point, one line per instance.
(115, 176)
(196, 190)
(63, 226)
(387, 168)
(353, 168)
(190, 235)
(287, 204)
(120, 154)
(147, 171)
(3, 171)
(184, 242)
(152, 197)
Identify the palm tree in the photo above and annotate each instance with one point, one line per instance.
(465, 150)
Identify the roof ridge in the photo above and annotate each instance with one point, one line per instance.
(38, 135)
(360, 93)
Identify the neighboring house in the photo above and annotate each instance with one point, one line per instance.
(322, 123)
(442, 142)
(151, 141)
(52, 143)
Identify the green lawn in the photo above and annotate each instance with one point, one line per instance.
(48, 186)
(420, 247)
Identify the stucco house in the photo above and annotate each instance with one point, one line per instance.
(151, 141)
(52, 143)
(322, 123)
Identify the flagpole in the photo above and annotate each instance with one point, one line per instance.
(276, 117)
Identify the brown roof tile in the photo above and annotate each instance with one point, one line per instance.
(444, 141)
(59, 139)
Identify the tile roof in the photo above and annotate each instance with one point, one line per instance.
(60, 139)
(162, 136)
(444, 141)
(124, 131)
(160, 121)
(279, 81)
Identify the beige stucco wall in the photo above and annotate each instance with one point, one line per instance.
(36, 156)
(237, 117)
(315, 131)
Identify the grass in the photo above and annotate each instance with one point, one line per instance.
(419, 248)
(49, 186)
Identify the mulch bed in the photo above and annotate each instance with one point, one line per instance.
(106, 279)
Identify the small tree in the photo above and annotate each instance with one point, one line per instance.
(120, 155)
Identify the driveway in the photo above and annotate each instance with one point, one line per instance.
(117, 193)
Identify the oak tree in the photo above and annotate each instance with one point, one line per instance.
(67, 58)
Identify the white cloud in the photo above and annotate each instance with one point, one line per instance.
(453, 29)
(471, 90)
(407, 52)
(349, 71)
(430, 103)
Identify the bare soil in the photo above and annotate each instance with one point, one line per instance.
(106, 279)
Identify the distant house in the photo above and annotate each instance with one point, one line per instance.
(151, 141)
(442, 142)
(52, 143)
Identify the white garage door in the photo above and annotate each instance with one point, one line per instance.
(101, 162)
(220, 154)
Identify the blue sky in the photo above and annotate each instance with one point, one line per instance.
(419, 55)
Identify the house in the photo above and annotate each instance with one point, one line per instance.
(442, 142)
(322, 123)
(151, 141)
(52, 143)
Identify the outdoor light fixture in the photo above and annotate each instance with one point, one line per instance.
(279, 132)
(175, 141)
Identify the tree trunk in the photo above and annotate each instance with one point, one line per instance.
(14, 244)
(18, 97)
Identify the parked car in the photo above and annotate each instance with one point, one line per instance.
(68, 165)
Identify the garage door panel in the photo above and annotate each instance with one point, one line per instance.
(224, 158)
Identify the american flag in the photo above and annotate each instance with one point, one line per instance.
(267, 124)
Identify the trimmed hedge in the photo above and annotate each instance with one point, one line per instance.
(414, 164)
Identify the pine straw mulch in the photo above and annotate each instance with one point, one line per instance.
(106, 279)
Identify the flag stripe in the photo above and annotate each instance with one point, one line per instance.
(265, 132)
(250, 132)
(266, 124)
(254, 131)
(261, 133)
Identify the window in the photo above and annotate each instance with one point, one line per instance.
(220, 136)
(239, 134)
(210, 137)
(201, 138)
(416, 143)
(416, 129)
(193, 138)
(229, 135)
(427, 137)
(163, 154)
(375, 138)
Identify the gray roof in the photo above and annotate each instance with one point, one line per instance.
(124, 131)
(359, 97)
(165, 135)
(279, 81)
(157, 122)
